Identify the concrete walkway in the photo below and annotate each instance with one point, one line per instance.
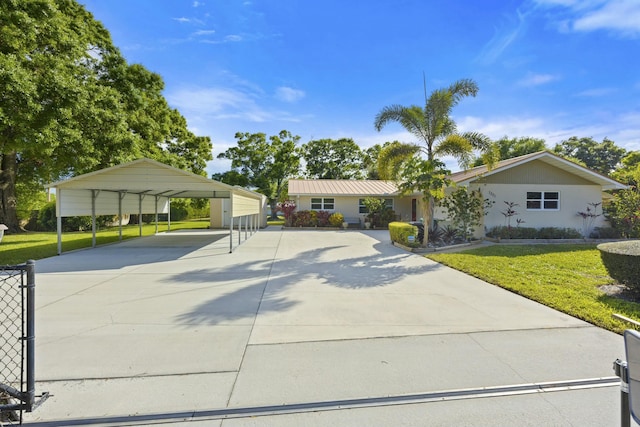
(313, 328)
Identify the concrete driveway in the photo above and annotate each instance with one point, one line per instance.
(313, 328)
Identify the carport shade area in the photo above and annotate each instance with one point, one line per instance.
(146, 186)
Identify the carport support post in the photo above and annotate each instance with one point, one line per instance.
(59, 219)
(140, 197)
(120, 197)
(94, 195)
(169, 215)
(230, 234)
(156, 205)
(239, 230)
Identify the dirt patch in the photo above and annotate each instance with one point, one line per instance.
(622, 292)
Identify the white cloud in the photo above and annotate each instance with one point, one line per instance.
(182, 20)
(204, 32)
(503, 38)
(596, 92)
(618, 16)
(232, 38)
(198, 3)
(288, 94)
(537, 79)
(623, 130)
(621, 16)
(222, 103)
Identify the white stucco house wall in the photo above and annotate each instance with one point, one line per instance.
(548, 191)
(346, 196)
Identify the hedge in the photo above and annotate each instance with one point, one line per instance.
(400, 232)
(622, 261)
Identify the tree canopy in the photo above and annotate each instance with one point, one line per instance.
(267, 164)
(509, 148)
(333, 159)
(70, 104)
(603, 157)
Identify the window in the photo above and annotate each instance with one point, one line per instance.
(543, 200)
(388, 203)
(322, 204)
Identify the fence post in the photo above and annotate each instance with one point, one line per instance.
(31, 335)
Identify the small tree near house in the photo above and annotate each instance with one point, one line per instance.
(589, 217)
(466, 209)
(287, 208)
(508, 213)
(375, 207)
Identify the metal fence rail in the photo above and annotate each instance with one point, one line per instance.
(17, 342)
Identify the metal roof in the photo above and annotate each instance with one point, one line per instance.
(146, 176)
(341, 187)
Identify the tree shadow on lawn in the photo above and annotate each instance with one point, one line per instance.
(314, 268)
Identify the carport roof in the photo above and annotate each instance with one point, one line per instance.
(146, 176)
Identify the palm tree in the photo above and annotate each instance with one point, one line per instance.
(417, 166)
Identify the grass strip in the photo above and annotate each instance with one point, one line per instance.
(565, 277)
(18, 248)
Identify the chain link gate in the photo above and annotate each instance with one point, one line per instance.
(17, 343)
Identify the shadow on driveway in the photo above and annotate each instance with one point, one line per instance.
(384, 268)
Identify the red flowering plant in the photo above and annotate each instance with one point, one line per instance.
(287, 208)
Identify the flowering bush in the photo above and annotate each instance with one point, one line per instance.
(336, 219)
(287, 209)
(302, 219)
(322, 218)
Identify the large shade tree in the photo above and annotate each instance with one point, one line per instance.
(70, 104)
(515, 147)
(417, 166)
(265, 164)
(332, 159)
(603, 157)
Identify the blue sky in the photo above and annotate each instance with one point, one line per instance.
(550, 69)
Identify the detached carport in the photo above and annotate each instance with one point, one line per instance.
(146, 186)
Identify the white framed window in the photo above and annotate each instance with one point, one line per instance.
(323, 203)
(543, 201)
(388, 203)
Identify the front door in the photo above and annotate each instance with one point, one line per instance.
(414, 209)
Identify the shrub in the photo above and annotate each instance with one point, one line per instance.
(336, 219)
(558, 233)
(301, 219)
(504, 232)
(287, 209)
(622, 261)
(400, 232)
(451, 235)
(605, 233)
(436, 236)
(323, 218)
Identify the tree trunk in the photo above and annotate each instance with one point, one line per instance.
(427, 218)
(274, 210)
(8, 200)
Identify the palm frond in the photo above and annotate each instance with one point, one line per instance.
(392, 158)
(457, 146)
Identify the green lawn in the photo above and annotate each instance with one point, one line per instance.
(565, 277)
(17, 248)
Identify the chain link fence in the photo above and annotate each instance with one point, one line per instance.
(17, 342)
